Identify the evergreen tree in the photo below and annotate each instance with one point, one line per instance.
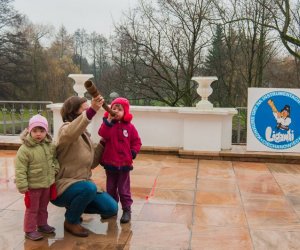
(215, 65)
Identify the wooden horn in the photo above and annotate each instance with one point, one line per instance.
(93, 91)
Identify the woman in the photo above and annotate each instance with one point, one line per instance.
(77, 156)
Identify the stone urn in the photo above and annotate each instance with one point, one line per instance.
(204, 90)
(79, 82)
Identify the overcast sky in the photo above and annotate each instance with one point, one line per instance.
(92, 15)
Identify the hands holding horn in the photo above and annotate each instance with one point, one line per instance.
(93, 91)
(97, 102)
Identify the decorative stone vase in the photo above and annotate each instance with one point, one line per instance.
(204, 90)
(79, 82)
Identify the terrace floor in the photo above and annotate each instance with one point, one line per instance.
(178, 204)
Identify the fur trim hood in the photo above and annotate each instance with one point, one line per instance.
(29, 141)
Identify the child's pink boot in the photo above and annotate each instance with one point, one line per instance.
(35, 235)
(46, 229)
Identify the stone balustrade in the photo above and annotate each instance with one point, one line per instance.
(172, 127)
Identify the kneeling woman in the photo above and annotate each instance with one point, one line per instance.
(77, 156)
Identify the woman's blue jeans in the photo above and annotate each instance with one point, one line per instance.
(82, 197)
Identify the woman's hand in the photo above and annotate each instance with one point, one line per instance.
(97, 102)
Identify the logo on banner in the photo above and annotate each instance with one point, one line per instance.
(275, 120)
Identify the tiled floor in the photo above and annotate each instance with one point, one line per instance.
(178, 204)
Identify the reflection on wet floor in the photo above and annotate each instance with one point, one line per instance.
(178, 204)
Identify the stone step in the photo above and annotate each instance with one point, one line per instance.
(237, 153)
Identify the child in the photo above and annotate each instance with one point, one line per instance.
(122, 143)
(36, 166)
(283, 118)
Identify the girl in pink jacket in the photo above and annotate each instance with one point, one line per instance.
(122, 144)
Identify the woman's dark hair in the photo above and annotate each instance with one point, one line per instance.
(70, 108)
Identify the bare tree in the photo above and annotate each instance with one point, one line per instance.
(63, 44)
(36, 57)
(99, 49)
(169, 38)
(80, 38)
(249, 46)
(124, 57)
(286, 23)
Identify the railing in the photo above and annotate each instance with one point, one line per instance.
(239, 126)
(14, 115)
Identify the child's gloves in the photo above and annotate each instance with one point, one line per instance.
(53, 192)
(133, 153)
(27, 199)
(102, 142)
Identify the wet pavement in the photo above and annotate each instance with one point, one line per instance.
(178, 204)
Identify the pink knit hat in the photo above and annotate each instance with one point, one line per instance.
(126, 106)
(38, 121)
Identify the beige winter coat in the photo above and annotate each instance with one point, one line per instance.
(76, 153)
